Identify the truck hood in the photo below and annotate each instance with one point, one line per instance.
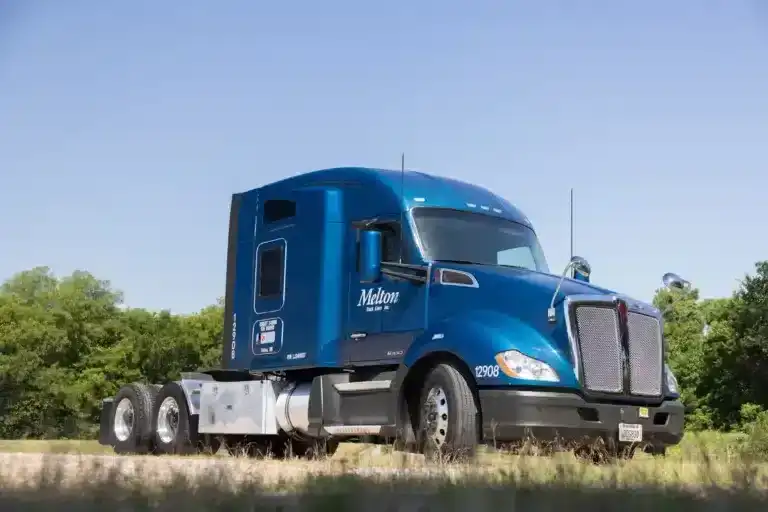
(519, 294)
(528, 281)
(529, 290)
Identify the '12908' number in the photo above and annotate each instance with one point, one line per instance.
(485, 371)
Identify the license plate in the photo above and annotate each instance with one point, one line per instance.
(630, 433)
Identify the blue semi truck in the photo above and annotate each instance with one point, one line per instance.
(398, 305)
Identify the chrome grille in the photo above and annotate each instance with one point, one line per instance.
(599, 343)
(597, 332)
(645, 355)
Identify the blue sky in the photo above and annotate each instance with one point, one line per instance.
(126, 126)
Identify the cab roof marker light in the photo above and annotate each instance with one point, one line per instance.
(497, 210)
(486, 208)
(419, 199)
(471, 205)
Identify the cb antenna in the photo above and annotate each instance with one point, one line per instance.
(402, 203)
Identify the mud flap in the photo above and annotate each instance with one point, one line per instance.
(105, 428)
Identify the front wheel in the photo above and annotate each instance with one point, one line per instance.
(449, 419)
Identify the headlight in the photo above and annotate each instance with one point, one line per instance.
(671, 380)
(519, 366)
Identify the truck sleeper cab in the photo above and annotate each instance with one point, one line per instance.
(404, 306)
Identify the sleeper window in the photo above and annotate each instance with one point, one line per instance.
(271, 272)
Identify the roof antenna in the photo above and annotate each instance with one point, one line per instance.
(571, 222)
(402, 204)
(573, 273)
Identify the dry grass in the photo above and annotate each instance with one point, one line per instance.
(53, 446)
(716, 444)
(706, 472)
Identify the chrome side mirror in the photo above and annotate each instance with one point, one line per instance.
(370, 256)
(581, 268)
(672, 281)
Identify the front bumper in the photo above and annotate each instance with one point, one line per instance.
(511, 415)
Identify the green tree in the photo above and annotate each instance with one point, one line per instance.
(684, 323)
(725, 368)
(739, 363)
(49, 328)
(66, 343)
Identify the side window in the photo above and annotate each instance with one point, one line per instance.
(278, 209)
(390, 241)
(271, 272)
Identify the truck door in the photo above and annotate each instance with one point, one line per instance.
(363, 320)
(391, 309)
(404, 317)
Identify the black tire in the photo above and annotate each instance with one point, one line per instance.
(182, 436)
(141, 398)
(455, 431)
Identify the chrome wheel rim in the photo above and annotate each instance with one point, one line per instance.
(168, 420)
(435, 414)
(124, 417)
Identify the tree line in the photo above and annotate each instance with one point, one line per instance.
(67, 342)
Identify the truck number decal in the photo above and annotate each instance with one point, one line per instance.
(486, 371)
(234, 335)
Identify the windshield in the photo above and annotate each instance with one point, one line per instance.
(452, 235)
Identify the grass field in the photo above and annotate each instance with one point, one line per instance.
(53, 446)
(708, 471)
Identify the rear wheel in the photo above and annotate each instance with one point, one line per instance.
(132, 419)
(174, 429)
(449, 423)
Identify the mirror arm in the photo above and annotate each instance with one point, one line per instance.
(551, 313)
(581, 265)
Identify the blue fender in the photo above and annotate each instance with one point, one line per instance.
(477, 336)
